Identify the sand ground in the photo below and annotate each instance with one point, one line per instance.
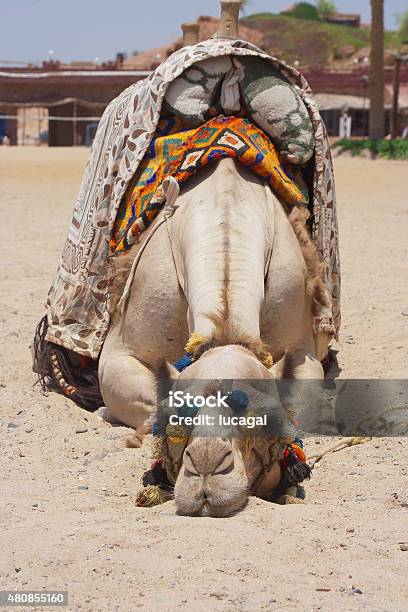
(67, 515)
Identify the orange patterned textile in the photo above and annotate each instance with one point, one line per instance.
(180, 153)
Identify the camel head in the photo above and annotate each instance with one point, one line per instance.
(216, 465)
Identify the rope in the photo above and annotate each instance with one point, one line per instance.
(337, 447)
(171, 189)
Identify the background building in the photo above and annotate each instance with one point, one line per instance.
(60, 104)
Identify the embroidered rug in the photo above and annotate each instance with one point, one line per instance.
(181, 154)
(78, 306)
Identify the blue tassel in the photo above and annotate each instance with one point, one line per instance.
(301, 494)
(184, 362)
(187, 411)
(237, 400)
(299, 442)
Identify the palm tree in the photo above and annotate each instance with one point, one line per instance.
(326, 9)
(377, 115)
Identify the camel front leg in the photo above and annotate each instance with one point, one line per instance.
(128, 389)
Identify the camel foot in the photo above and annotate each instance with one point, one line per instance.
(136, 439)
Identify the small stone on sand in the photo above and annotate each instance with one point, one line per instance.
(81, 430)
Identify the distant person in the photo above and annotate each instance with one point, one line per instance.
(345, 124)
(404, 134)
(6, 141)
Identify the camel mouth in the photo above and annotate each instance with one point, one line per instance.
(205, 508)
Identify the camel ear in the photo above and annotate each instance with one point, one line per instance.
(166, 371)
(279, 369)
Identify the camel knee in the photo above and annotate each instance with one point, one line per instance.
(304, 365)
(128, 389)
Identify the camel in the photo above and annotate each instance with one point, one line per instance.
(235, 268)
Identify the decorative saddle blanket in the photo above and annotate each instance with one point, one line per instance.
(179, 152)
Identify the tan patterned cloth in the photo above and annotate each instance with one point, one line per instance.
(78, 304)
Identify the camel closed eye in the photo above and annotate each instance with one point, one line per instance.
(226, 465)
(189, 467)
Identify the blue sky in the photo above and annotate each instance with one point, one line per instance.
(86, 29)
